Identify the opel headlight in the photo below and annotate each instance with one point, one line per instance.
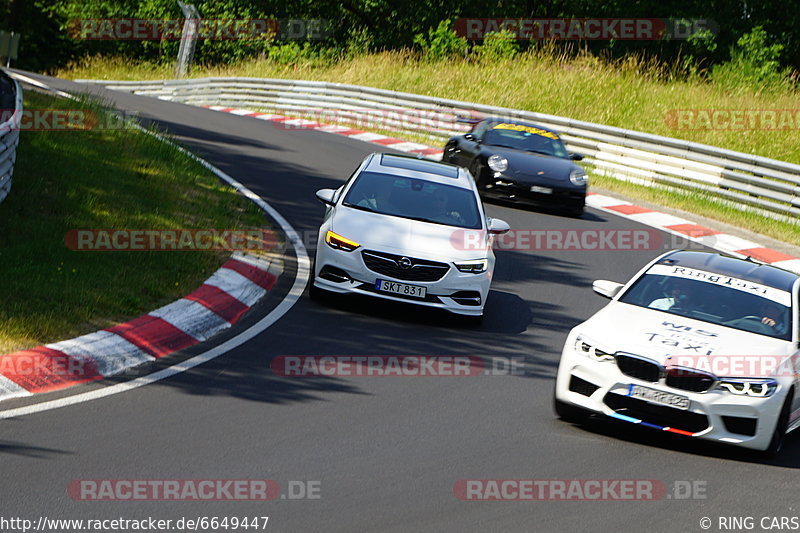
(588, 348)
(338, 242)
(477, 266)
(578, 177)
(759, 388)
(498, 163)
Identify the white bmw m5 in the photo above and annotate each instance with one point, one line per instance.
(697, 343)
(396, 230)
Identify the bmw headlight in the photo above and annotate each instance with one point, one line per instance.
(498, 163)
(477, 266)
(578, 177)
(759, 388)
(589, 348)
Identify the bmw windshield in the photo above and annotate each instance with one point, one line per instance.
(723, 300)
(414, 199)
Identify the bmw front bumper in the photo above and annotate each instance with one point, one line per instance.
(600, 387)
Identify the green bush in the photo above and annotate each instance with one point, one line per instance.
(699, 46)
(359, 42)
(441, 43)
(755, 61)
(498, 45)
(285, 53)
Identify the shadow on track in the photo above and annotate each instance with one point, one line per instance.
(25, 450)
(543, 209)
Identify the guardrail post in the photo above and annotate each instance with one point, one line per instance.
(188, 39)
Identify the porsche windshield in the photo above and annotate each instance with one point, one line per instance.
(527, 138)
(415, 199)
(732, 302)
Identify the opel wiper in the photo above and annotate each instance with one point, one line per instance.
(360, 207)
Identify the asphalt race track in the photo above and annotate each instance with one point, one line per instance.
(386, 452)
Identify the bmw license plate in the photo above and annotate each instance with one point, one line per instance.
(656, 396)
(541, 190)
(402, 289)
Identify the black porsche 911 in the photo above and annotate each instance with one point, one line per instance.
(521, 162)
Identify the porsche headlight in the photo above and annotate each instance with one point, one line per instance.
(759, 388)
(588, 348)
(478, 266)
(498, 163)
(578, 177)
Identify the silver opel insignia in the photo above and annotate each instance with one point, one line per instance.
(407, 229)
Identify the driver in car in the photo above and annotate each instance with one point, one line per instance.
(769, 320)
(380, 198)
(676, 296)
(771, 315)
(440, 209)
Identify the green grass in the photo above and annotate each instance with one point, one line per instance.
(101, 179)
(632, 94)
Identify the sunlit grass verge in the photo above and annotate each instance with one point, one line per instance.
(101, 179)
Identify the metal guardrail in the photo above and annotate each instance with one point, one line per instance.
(9, 138)
(745, 181)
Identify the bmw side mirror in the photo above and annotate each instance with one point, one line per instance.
(498, 227)
(606, 288)
(326, 196)
(576, 157)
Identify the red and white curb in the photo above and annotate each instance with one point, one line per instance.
(681, 227)
(360, 135)
(684, 228)
(216, 305)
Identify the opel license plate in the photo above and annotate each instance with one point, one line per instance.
(402, 289)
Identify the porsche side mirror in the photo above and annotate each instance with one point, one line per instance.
(326, 196)
(576, 157)
(498, 227)
(469, 137)
(606, 288)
